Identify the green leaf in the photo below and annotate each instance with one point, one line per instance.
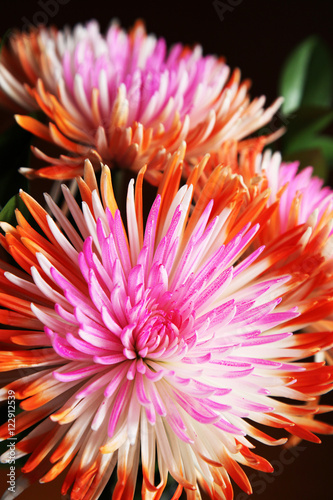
(319, 83)
(304, 132)
(307, 76)
(304, 142)
(7, 214)
(308, 120)
(4, 38)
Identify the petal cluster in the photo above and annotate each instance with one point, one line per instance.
(123, 98)
(297, 225)
(164, 343)
(303, 201)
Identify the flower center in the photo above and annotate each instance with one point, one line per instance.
(154, 336)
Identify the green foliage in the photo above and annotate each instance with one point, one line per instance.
(307, 76)
(7, 214)
(4, 38)
(306, 84)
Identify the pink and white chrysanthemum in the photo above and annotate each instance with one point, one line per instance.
(158, 345)
(124, 96)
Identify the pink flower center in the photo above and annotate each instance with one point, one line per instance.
(158, 333)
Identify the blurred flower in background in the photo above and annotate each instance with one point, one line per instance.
(124, 96)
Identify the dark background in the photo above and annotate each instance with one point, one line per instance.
(257, 36)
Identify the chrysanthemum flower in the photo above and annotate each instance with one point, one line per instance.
(159, 346)
(125, 97)
(300, 219)
(303, 201)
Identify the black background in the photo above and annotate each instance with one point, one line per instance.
(257, 36)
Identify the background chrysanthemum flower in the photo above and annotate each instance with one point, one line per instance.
(304, 201)
(300, 220)
(162, 344)
(124, 96)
